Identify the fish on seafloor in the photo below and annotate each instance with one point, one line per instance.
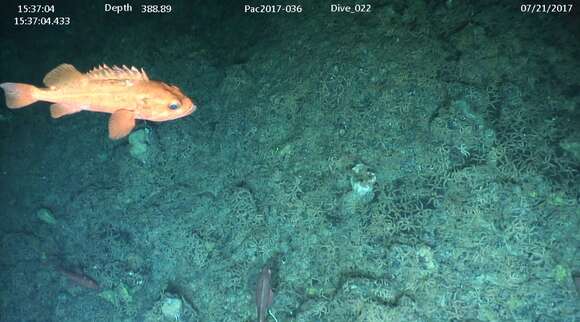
(264, 293)
(126, 93)
(79, 278)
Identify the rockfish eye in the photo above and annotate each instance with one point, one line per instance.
(174, 106)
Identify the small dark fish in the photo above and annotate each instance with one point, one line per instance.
(576, 280)
(79, 278)
(264, 294)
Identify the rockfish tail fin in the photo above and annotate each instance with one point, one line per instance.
(19, 95)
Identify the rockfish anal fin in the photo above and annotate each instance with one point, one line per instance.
(59, 109)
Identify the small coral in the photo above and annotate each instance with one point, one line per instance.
(362, 182)
(139, 144)
(171, 309)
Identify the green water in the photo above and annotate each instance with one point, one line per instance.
(411, 161)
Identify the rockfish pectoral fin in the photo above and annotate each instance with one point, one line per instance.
(60, 109)
(19, 95)
(121, 124)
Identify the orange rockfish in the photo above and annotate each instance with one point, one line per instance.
(126, 93)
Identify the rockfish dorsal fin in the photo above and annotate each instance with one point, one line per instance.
(115, 72)
(63, 74)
